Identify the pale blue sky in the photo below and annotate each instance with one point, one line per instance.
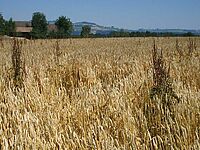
(130, 14)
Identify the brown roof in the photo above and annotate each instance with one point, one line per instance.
(23, 29)
(22, 23)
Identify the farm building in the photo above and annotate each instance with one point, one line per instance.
(24, 28)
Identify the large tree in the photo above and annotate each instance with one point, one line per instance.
(2, 25)
(85, 31)
(7, 27)
(39, 24)
(10, 27)
(64, 26)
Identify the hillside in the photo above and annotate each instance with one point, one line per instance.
(99, 29)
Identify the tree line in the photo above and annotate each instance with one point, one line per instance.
(7, 27)
(65, 28)
(40, 27)
(63, 24)
(123, 33)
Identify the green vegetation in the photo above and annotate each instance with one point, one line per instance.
(123, 33)
(7, 27)
(10, 27)
(85, 31)
(2, 25)
(64, 26)
(39, 24)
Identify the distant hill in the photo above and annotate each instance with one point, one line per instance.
(99, 29)
(95, 28)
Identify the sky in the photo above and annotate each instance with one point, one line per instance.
(127, 14)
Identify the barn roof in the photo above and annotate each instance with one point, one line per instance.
(22, 23)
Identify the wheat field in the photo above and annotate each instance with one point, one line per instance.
(95, 94)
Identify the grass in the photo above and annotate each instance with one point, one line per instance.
(97, 94)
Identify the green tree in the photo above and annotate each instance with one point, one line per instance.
(39, 24)
(85, 31)
(10, 27)
(64, 26)
(188, 34)
(2, 25)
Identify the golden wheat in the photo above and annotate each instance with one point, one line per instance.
(95, 94)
